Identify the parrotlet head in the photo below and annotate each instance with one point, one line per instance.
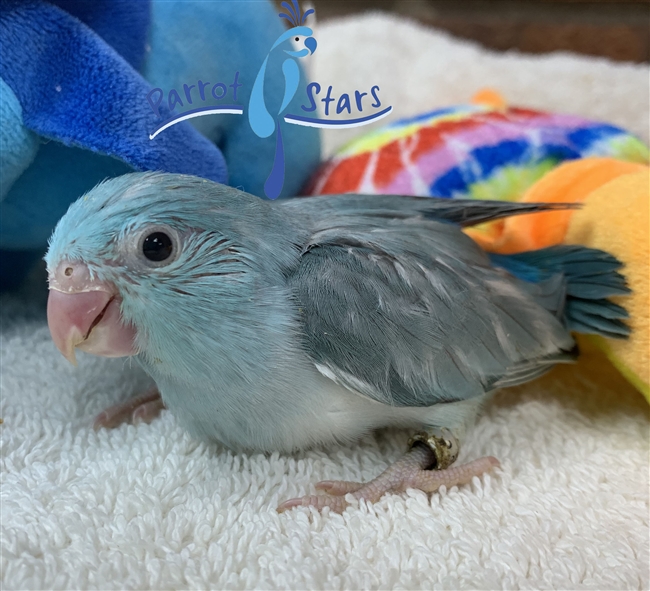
(126, 256)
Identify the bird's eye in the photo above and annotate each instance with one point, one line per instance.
(151, 246)
(297, 38)
(157, 247)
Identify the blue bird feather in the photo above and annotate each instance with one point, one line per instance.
(280, 325)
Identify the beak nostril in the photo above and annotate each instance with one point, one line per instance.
(71, 276)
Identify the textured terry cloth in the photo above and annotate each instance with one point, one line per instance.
(147, 507)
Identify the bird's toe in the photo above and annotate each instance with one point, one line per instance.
(144, 408)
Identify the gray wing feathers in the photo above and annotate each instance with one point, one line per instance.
(414, 314)
(464, 212)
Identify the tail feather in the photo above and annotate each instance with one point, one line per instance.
(593, 288)
(590, 277)
(599, 316)
(602, 307)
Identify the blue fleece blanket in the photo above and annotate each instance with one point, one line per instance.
(74, 81)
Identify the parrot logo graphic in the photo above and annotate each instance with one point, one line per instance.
(339, 112)
(261, 121)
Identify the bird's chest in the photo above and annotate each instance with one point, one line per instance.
(278, 411)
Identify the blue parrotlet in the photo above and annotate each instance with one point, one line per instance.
(277, 326)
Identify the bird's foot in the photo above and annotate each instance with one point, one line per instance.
(142, 409)
(410, 471)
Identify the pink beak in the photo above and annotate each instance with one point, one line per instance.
(85, 314)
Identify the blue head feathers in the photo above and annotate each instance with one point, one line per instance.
(219, 254)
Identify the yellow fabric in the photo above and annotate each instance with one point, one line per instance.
(616, 218)
(570, 182)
